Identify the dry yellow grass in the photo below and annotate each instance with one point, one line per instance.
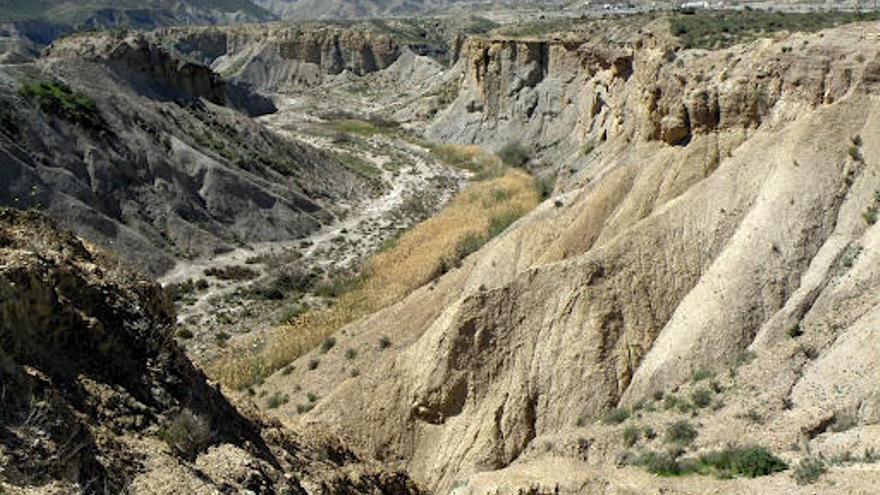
(478, 213)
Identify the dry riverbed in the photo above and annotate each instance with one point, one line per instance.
(245, 292)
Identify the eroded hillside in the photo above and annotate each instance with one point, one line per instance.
(707, 258)
(155, 157)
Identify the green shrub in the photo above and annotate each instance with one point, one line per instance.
(870, 215)
(384, 342)
(702, 374)
(631, 436)
(312, 397)
(680, 433)
(855, 153)
(185, 333)
(795, 331)
(328, 344)
(661, 464)
(588, 148)
(351, 354)
(233, 272)
(809, 470)
(187, 434)
(702, 397)
(277, 400)
(313, 364)
(58, 99)
(750, 462)
(616, 416)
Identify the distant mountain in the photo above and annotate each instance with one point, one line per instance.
(349, 9)
(82, 14)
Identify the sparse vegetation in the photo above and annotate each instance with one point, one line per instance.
(849, 257)
(702, 397)
(483, 165)
(588, 148)
(328, 344)
(631, 436)
(702, 374)
(182, 290)
(360, 125)
(745, 357)
(680, 433)
(809, 470)
(661, 463)
(616, 416)
(277, 400)
(871, 212)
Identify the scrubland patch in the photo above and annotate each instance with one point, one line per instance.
(713, 30)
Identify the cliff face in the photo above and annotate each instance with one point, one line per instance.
(728, 199)
(98, 398)
(143, 62)
(563, 94)
(277, 57)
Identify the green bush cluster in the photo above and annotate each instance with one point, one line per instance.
(749, 462)
(58, 99)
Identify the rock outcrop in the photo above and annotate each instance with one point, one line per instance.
(98, 398)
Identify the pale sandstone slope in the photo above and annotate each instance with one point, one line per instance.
(718, 211)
